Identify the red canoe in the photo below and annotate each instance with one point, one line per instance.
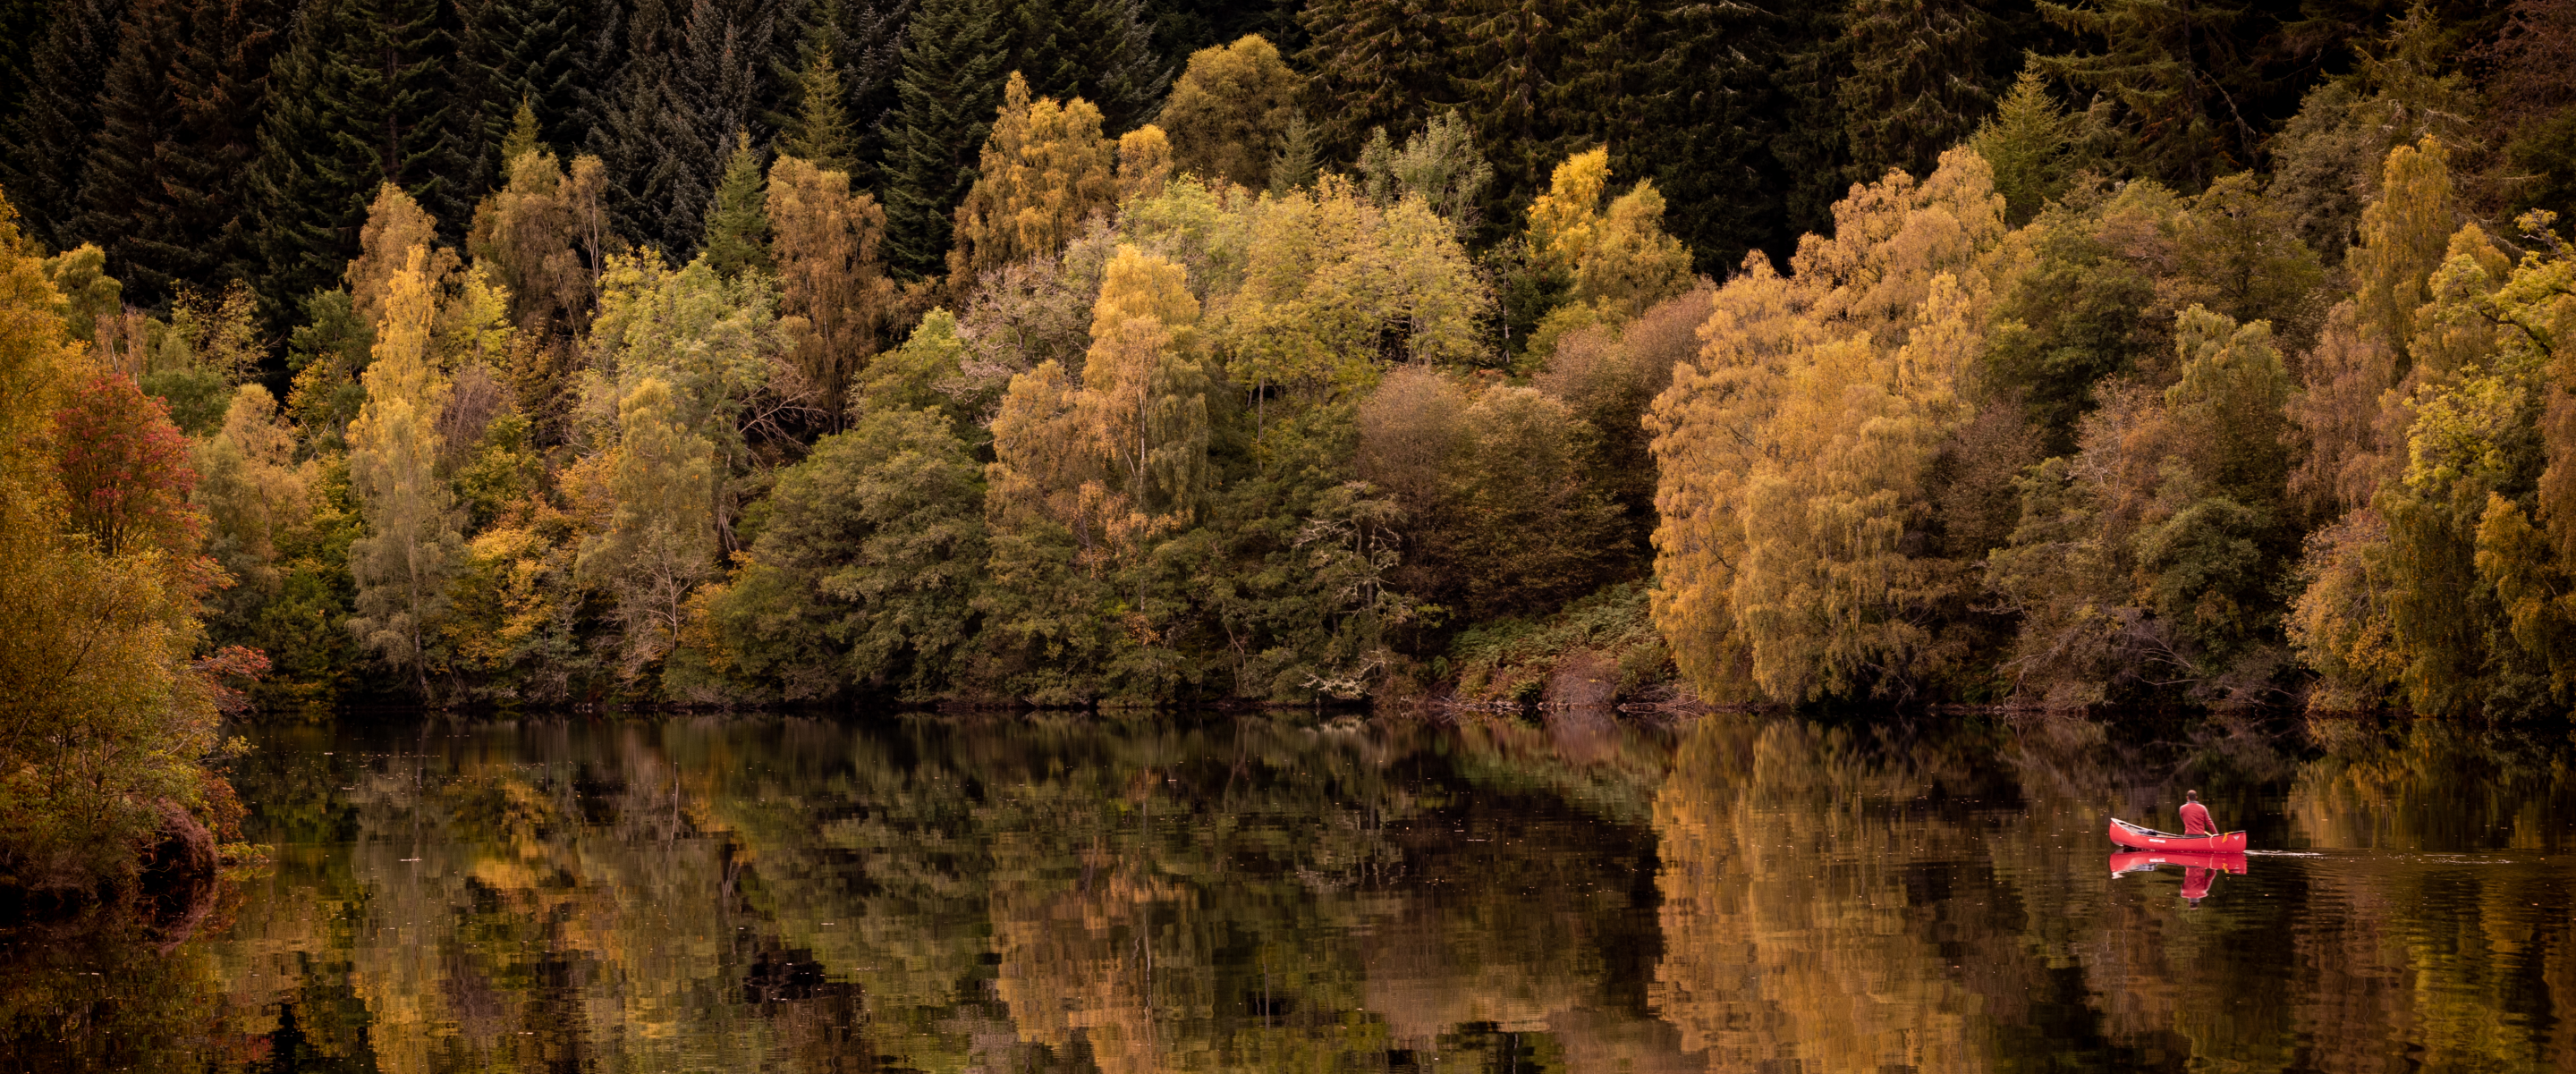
(2130, 861)
(2131, 835)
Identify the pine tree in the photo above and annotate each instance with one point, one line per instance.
(718, 85)
(865, 41)
(1512, 91)
(951, 81)
(738, 222)
(820, 132)
(22, 27)
(1374, 63)
(519, 54)
(2179, 79)
(2029, 142)
(165, 183)
(48, 135)
(363, 97)
(1109, 52)
(1915, 87)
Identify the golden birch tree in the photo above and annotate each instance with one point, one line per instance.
(835, 299)
(408, 556)
(1046, 169)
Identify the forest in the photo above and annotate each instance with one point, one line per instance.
(1139, 352)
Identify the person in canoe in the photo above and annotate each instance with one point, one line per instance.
(2195, 816)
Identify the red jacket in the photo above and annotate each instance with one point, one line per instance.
(2195, 820)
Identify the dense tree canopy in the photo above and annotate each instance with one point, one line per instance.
(1113, 352)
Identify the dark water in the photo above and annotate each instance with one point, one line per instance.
(1269, 895)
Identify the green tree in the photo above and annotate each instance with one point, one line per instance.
(738, 223)
(1915, 87)
(2030, 142)
(821, 133)
(660, 539)
(1374, 63)
(163, 187)
(48, 134)
(951, 81)
(2178, 80)
(864, 575)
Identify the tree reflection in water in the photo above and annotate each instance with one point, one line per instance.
(1043, 894)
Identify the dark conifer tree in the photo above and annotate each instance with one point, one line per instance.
(1807, 57)
(1099, 50)
(1181, 27)
(520, 52)
(164, 187)
(951, 81)
(631, 131)
(22, 28)
(365, 95)
(2179, 80)
(1512, 84)
(865, 39)
(47, 139)
(1375, 63)
(1687, 101)
(1917, 85)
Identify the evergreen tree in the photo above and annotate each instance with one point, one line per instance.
(365, 96)
(1374, 63)
(1915, 86)
(22, 26)
(952, 79)
(2180, 80)
(630, 129)
(669, 116)
(738, 222)
(864, 39)
(1807, 59)
(819, 133)
(520, 54)
(47, 136)
(1098, 50)
(2030, 143)
(1512, 87)
(715, 88)
(165, 183)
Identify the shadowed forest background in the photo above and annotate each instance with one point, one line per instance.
(1114, 352)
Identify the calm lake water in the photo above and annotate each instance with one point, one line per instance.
(1263, 894)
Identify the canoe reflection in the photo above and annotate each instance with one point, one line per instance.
(2198, 870)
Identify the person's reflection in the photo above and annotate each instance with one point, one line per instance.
(2195, 883)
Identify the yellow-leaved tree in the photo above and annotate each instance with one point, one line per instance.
(1616, 256)
(1046, 169)
(1797, 454)
(408, 556)
(835, 299)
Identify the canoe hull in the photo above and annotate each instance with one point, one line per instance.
(2140, 838)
